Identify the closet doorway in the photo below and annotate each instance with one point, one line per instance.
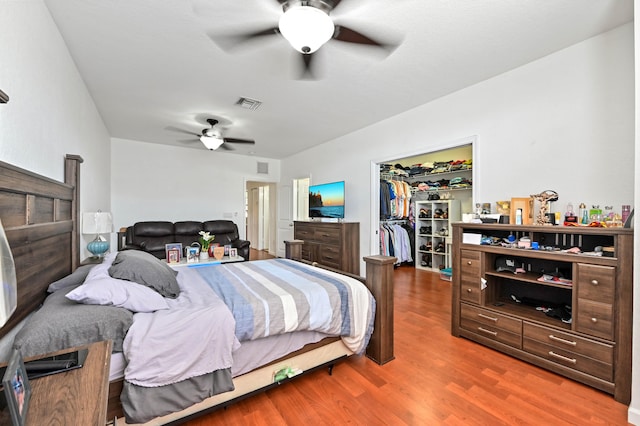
(438, 180)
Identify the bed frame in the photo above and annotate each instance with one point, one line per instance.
(40, 218)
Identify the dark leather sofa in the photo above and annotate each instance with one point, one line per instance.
(152, 236)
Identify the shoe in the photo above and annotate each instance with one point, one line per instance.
(440, 248)
(429, 247)
(444, 232)
(438, 214)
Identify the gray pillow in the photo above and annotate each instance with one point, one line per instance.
(146, 269)
(61, 323)
(76, 278)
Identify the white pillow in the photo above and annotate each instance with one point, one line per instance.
(100, 289)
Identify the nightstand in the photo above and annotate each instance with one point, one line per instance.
(75, 397)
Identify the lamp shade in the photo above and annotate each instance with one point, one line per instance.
(306, 28)
(97, 223)
(211, 142)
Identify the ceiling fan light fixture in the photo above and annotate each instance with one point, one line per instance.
(211, 142)
(306, 28)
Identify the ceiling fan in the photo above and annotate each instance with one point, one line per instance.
(212, 138)
(307, 26)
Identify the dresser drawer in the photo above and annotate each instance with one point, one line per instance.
(470, 264)
(470, 287)
(594, 318)
(596, 282)
(327, 235)
(587, 356)
(494, 326)
(329, 256)
(303, 232)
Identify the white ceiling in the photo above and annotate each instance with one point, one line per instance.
(153, 70)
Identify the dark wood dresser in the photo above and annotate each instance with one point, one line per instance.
(332, 244)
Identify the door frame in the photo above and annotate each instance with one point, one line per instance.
(374, 238)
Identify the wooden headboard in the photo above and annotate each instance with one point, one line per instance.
(40, 218)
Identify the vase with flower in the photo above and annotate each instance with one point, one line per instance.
(205, 240)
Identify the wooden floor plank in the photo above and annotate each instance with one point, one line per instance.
(435, 379)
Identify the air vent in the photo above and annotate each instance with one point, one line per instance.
(263, 168)
(248, 103)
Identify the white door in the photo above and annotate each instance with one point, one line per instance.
(293, 202)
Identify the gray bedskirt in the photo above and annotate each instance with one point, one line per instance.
(141, 404)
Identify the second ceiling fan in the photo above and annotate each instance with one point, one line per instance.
(212, 137)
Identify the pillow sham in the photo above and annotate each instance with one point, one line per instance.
(101, 289)
(145, 269)
(61, 323)
(77, 277)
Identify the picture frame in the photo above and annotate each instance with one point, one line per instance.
(193, 254)
(233, 252)
(227, 247)
(16, 389)
(521, 211)
(173, 256)
(173, 246)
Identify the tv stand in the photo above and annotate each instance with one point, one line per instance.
(593, 345)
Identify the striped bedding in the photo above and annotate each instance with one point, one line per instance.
(277, 296)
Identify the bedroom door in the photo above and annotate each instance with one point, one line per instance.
(293, 202)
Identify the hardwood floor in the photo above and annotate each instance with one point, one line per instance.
(436, 379)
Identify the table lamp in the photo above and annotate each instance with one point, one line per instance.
(97, 223)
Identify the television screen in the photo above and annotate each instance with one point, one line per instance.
(327, 200)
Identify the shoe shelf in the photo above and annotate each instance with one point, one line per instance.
(433, 231)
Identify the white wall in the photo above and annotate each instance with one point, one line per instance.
(159, 182)
(634, 407)
(50, 112)
(564, 122)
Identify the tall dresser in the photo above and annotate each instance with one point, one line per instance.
(569, 313)
(332, 244)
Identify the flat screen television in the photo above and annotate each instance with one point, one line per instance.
(327, 200)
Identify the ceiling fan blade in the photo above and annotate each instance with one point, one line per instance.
(179, 130)
(351, 36)
(226, 147)
(234, 140)
(229, 42)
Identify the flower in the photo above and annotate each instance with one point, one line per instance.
(205, 239)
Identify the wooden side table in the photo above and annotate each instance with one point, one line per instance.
(75, 397)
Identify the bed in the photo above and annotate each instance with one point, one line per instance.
(40, 220)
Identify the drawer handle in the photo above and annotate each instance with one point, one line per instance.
(488, 317)
(594, 282)
(566, 342)
(469, 290)
(594, 320)
(564, 358)
(468, 262)
(484, 330)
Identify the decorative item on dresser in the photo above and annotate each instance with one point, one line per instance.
(566, 306)
(332, 244)
(97, 223)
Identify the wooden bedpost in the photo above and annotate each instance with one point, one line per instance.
(293, 249)
(72, 177)
(379, 276)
